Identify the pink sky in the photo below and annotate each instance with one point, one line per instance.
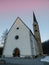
(10, 9)
(22, 5)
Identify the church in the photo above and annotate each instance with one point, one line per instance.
(21, 42)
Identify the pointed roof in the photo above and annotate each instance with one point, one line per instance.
(21, 21)
(34, 18)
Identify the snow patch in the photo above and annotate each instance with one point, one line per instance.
(45, 59)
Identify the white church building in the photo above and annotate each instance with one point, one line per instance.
(20, 41)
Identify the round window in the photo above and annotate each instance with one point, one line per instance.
(16, 37)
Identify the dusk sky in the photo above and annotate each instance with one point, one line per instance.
(11, 9)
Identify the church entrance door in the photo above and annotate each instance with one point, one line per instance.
(16, 52)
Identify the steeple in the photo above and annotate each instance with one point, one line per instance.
(37, 34)
(34, 18)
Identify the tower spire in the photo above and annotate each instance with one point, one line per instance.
(34, 18)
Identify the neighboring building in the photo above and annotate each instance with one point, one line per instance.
(20, 41)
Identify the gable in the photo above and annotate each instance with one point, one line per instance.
(18, 20)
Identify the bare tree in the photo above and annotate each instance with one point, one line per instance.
(4, 36)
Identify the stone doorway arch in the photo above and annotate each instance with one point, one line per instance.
(16, 52)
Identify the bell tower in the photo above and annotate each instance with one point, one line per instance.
(37, 34)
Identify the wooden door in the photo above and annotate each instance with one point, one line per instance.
(16, 52)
